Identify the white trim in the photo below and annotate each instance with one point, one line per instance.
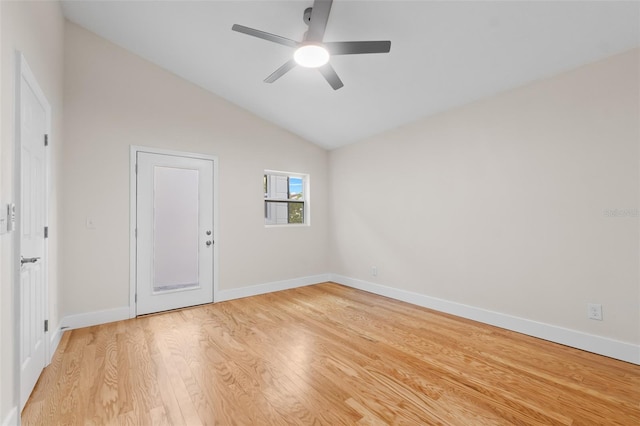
(17, 178)
(306, 179)
(54, 341)
(286, 174)
(88, 319)
(12, 418)
(133, 188)
(271, 287)
(216, 228)
(133, 152)
(288, 225)
(600, 345)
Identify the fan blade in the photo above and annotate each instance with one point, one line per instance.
(357, 47)
(319, 17)
(331, 76)
(266, 36)
(280, 71)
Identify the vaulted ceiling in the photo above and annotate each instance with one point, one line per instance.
(443, 53)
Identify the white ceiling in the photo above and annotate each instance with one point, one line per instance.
(443, 53)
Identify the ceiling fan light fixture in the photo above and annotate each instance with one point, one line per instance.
(311, 56)
(312, 52)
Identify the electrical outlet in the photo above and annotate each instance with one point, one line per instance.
(595, 311)
(374, 271)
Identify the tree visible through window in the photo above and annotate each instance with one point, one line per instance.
(284, 198)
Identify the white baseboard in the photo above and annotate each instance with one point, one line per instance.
(94, 318)
(600, 345)
(54, 341)
(88, 319)
(12, 418)
(255, 290)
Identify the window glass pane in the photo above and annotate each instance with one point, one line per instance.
(295, 188)
(175, 234)
(296, 212)
(277, 213)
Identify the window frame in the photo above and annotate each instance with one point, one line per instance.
(305, 200)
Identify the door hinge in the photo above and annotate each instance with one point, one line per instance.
(46, 325)
(136, 298)
(136, 168)
(46, 140)
(46, 232)
(135, 232)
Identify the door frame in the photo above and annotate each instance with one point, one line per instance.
(133, 212)
(22, 70)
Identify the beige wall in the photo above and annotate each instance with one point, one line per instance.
(114, 99)
(502, 204)
(35, 29)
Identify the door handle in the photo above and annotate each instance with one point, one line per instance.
(24, 260)
(209, 243)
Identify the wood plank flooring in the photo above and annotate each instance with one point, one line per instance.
(325, 354)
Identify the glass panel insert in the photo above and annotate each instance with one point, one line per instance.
(175, 230)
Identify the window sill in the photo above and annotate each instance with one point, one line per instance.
(289, 225)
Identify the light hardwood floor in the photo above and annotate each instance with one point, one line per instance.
(325, 354)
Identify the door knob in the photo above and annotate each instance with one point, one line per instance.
(208, 232)
(209, 243)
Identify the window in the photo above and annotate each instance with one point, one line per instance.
(285, 198)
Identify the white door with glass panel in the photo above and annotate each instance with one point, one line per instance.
(174, 226)
(32, 110)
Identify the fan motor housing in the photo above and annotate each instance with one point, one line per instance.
(306, 16)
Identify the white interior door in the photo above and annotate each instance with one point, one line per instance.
(174, 225)
(32, 112)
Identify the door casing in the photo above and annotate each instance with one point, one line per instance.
(133, 212)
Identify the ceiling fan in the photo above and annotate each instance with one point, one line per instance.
(312, 52)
